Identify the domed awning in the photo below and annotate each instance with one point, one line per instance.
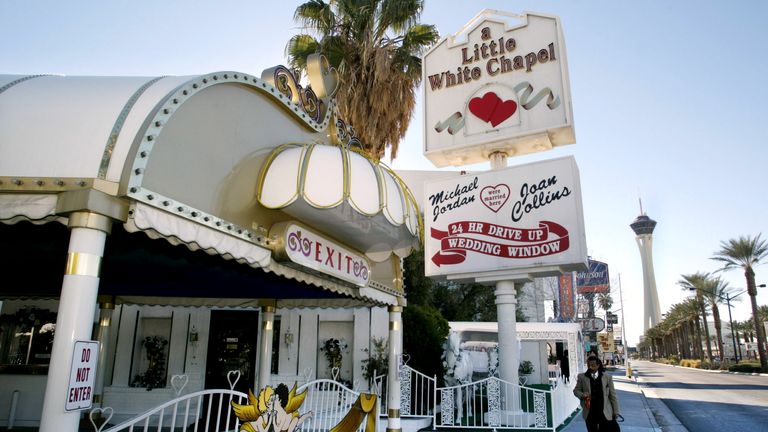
(363, 203)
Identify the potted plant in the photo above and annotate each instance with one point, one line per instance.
(378, 361)
(525, 369)
(154, 377)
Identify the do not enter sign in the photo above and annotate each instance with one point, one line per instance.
(82, 376)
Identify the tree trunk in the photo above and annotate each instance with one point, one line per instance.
(718, 331)
(706, 329)
(752, 290)
(698, 349)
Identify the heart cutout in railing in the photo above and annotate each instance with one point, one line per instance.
(108, 411)
(230, 375)
(406, 358)
(178, 382)
(306, 374)
(335, 372)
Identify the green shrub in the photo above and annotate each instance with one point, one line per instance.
(745, 367)
(424, 331)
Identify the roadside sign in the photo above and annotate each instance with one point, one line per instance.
(594, 324)
(82, 375)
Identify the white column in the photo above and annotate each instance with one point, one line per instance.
(509, 353)
(106, 306)
(498, 160)
(506, 308)
(395, 360)
(265, 355)
(77, 307)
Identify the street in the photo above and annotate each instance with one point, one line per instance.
(707, 400)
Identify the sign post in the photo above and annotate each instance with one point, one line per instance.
(82, 376)
(491, 91)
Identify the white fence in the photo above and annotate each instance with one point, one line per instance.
(211, 411)
(202, 411)
(492, 403)
(417, 393)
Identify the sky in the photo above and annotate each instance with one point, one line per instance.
(668, 98)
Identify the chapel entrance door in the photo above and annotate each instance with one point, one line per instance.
(232, 346)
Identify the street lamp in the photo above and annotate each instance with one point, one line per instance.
(728, 299)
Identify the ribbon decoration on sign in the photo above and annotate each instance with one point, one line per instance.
(454, 243)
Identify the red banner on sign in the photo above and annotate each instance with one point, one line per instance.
(567, 307)
(456, 242)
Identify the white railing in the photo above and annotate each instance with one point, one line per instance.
(564, 403)
(202, 411)
(555, 376)
(327, 400)
(417, 393)
(490, 403)
(495, 404)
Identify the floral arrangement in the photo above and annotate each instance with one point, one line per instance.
(154, 377)
(525, 368)
(334, 350)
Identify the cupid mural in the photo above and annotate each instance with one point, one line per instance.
(277, 410)
(273, 410)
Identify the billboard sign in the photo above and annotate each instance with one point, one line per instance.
(567, 295)
(497, 87)
(594, 280)
(506, 224)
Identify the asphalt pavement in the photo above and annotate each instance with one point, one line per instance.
(642, 410)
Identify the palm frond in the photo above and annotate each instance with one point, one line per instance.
(315, 14)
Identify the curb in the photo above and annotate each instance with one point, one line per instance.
(710, 370)
(663, 418)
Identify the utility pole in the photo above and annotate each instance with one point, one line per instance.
(623, 329)
(730, 320)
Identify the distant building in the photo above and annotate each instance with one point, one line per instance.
(643, 227)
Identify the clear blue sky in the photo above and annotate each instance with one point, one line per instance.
(668, 99)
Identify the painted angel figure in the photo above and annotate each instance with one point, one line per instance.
(274, 410)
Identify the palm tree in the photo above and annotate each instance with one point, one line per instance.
(747, 329)
(762, 312)
(743, 329)
(686, 317)
(605, 301)
(699, 282)
(745, 253)
(714, 293)
(376, 47)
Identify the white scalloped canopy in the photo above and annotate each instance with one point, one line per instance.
(342, 192)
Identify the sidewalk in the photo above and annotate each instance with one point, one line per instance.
(639, 406)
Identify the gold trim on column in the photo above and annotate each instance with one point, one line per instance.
(268, 325)
(395, 308)
(268, 309)
(394, 430)
(90, 220)
(83, 264)
(393, 413)
(394, 325)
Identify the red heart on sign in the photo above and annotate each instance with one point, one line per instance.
(484, 107)
(490, 108)
(494, 197)
(504, 110)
